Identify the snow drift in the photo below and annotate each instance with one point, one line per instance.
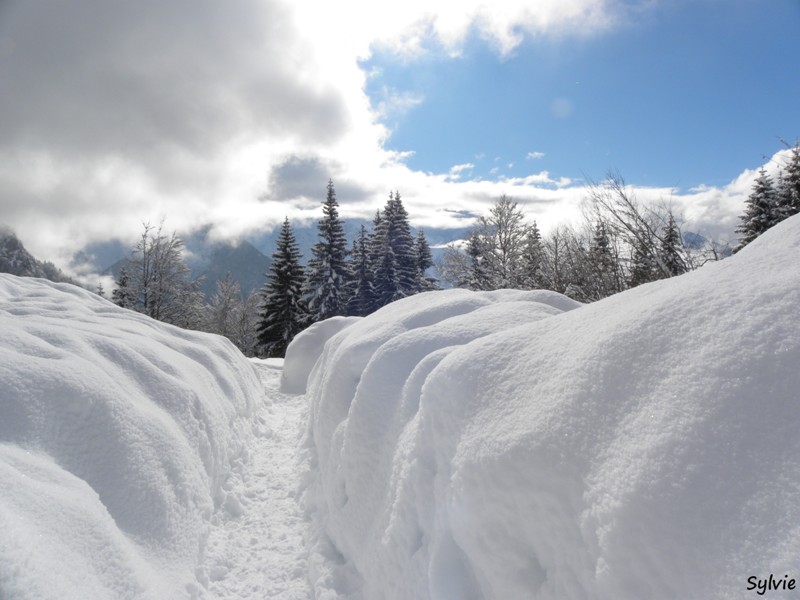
(116, 434)
(510, 445)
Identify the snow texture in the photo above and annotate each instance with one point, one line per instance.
(303, 352)
(517, 445)
(117, 434)
(256, 548)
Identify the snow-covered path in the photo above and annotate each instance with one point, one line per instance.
(256, 547)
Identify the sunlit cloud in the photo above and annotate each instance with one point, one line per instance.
(236, 114)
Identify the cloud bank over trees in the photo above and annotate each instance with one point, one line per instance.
(223, 114)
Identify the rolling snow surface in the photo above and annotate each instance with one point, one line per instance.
(516, 445)
(451, 446)
(117, 435)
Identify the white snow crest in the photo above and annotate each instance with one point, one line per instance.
(492, 446)
(116, 433)
(304, 350)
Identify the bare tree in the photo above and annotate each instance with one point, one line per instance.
(158, 280)
(645, 229)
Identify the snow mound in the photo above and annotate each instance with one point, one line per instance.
(497, 445)
(116, 435)
(304, 350)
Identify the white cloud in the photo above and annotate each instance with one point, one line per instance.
(535, 155)
(456, 171)
(234, 112)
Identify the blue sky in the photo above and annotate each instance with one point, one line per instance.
(686, 93)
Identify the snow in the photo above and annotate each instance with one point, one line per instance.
(302, 354)
(518, 445)
(256, 548)
(452, 445)
(117, 434)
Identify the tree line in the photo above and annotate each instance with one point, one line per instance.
(621, 242)
(379, 267)
(771, 202)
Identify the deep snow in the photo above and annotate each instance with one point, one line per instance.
(117, 434)
(453, 445)
(500, 445)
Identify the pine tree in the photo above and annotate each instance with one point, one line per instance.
(478, 278)
(284, 313)
(670, 250)
(123, 295)
(761, 210)
(532, 259)
(325, 287)
(393, 254)
(424, 262)
(362, 293)
(375, 240)
(386, 288)
(643, 267)
(602, 278)
(788, 192)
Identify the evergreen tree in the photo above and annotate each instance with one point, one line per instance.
(478, 277)
(670, 250)
(386, 287)
(124, 295)
(532, 259)
(327, 276)
(761, 210)
(424, 262)
(284, 313)
(602, 278)
(375, 240)
(788, 192)
(394, 255)
(362, 292)
(643, 266)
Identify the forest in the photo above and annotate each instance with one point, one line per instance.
(621, 243)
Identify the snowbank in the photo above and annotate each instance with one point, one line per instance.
(498, 445)
(303, 352)
(116, 435)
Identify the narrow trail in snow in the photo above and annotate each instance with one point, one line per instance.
(256, 547)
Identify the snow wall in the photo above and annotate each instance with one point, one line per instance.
(517, 445)
(116, 435)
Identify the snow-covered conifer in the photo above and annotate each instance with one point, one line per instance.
(424, 262)
(531, 259)
(124, 295)
(670, 249)
(788, 192)
(361, 300)
(284, 312)
(394, 256)
(325, 287)
(761, 210)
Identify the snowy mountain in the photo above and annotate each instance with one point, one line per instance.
(15, 259)
(213, 260)
(454, 444)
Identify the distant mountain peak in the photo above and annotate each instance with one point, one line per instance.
(16, 260)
